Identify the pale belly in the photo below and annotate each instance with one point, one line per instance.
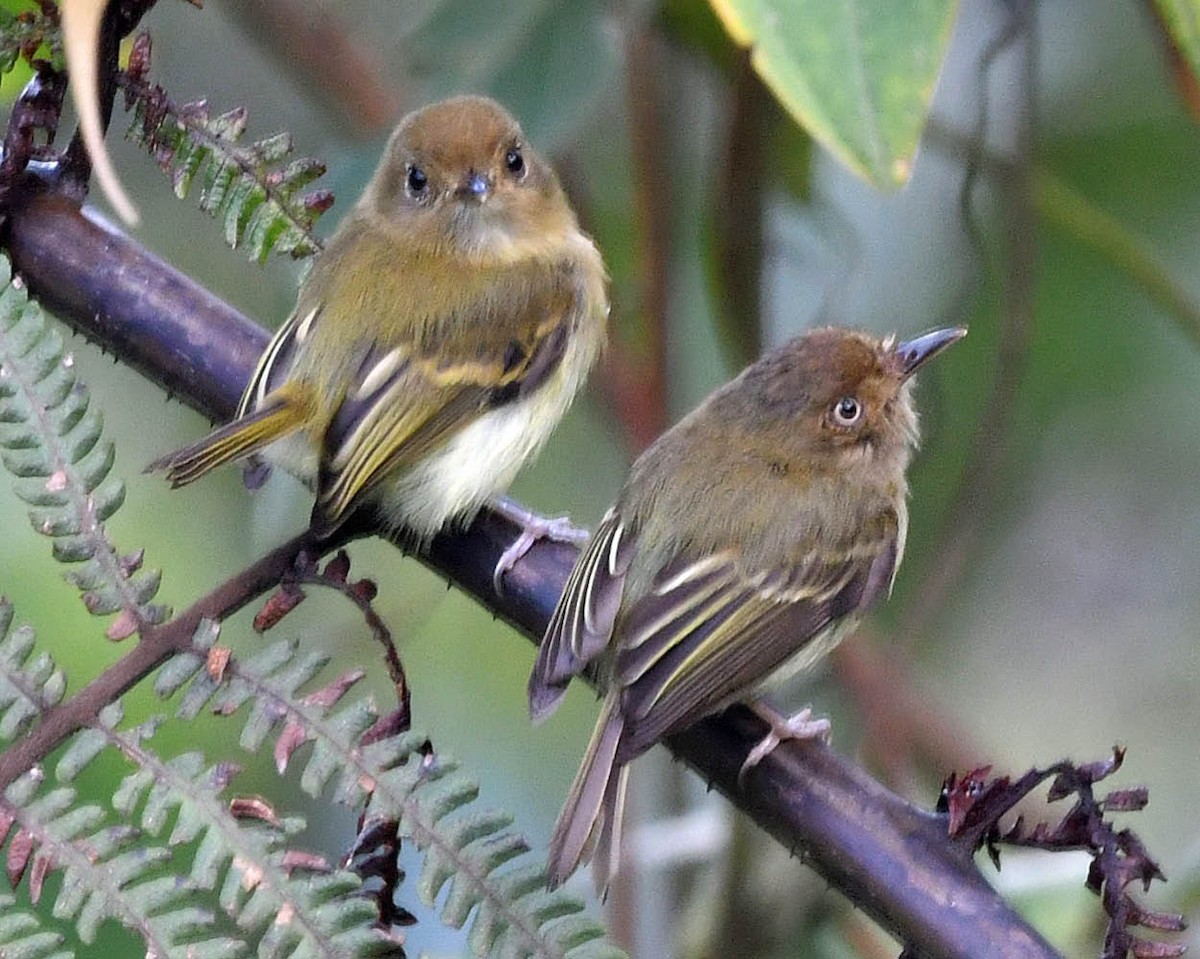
(482, 459)
(476, 464)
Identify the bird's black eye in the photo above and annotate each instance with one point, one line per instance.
(847, 411)
(514, 161)
(416, 181)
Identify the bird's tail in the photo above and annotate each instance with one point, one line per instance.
(280, 414)
(595, 802)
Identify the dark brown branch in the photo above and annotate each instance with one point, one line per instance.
(893, 860)
(137, 306)
(37, 110)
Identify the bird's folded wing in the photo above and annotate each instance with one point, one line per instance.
(582, 623)
(710, 630)
(273, 366)
(408, 398)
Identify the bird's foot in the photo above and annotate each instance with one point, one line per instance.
(533, 528)
(799, 726)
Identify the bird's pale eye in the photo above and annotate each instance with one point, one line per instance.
(514, 162)
(847, 411)
(416, 183)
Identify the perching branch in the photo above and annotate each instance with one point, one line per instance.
(893, 860)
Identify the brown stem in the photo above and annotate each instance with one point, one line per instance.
(327, 59)
(156, 645)
(737, 196)
(637, 377)
(890, 858)
(963, 526)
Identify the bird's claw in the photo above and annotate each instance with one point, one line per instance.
(799, 726)
(533, 528)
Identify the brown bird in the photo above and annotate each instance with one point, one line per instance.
(746, 542)
(436, 342)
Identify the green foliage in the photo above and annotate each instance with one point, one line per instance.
(262, 201)
(170, 856)
(221, 881)
(262, 208)
(471, 855)
(28, 31)
(26, 691)
(50, 440)
(1181, 18)
(859, 77)
(21, 934)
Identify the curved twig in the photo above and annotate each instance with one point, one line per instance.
(963, 525)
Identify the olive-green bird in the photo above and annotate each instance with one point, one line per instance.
(439, 338)
(746, 542)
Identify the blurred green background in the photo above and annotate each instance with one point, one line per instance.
(1068, 618)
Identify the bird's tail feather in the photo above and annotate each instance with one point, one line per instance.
(607, 855)
(274, 420)
(594, 800)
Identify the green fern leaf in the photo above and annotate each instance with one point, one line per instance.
(491, 882)
(27, 689)
(51, 441)
(29, 34)
(21, 934)
(263, 206)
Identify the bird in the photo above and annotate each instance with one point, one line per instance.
(746, 542)
(437, 340)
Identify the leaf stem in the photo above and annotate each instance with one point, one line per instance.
(1064, 207)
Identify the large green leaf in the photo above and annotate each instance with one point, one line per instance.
(858, 74)
(1181, 19)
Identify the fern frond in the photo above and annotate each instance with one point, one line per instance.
(21, 934)
(245, 858)
(27, 689)
(261, 200)
(486, 870)
(26, 34)
(106, 872)
(174, 861)
(50, 440)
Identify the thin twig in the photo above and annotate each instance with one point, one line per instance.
(156, 645)
(361, 593)
(964, 523)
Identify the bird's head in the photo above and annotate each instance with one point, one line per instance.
(459, 178)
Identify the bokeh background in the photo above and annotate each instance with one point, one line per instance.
(1048, 604)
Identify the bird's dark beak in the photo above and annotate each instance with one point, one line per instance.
(474, 187)
(915, 352)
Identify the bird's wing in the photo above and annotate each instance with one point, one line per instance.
(276, 361)
(709, 631)
(409, 397)
(582, 623)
